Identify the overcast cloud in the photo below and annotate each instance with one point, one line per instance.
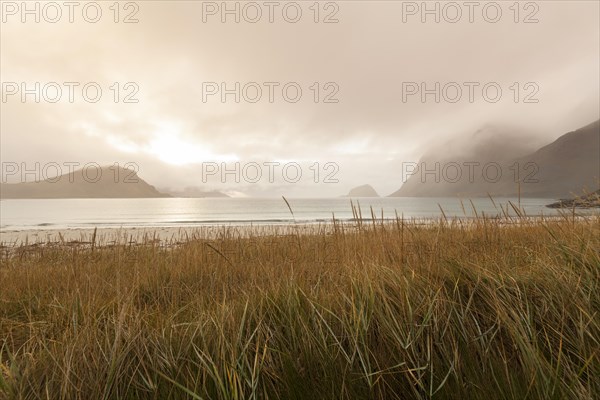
(368, 55)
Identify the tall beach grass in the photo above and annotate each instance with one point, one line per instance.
(455, 309)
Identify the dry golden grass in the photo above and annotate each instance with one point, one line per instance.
(448, 310)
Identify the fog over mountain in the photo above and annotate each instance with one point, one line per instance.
(504, 166)
(569, 166)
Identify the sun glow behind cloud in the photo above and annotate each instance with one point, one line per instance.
(168, 146)
(166, 143)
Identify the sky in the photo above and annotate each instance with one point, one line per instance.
(330, 94)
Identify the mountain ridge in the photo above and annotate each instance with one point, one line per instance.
(565, 167)
(105, 182)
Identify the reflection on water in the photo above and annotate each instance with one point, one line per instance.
(86, 213)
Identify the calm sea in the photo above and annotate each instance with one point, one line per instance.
(89, 213)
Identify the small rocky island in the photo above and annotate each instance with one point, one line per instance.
(591, 200)
(363, 191)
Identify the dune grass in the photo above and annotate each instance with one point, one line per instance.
(476, 309)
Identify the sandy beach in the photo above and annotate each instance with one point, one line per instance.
(31, 236)
(179, 234)
(105, 236)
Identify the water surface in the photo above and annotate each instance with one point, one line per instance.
(163, 212)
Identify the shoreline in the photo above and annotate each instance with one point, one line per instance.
(181, 233)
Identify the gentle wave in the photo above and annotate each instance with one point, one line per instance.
(169, 212)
